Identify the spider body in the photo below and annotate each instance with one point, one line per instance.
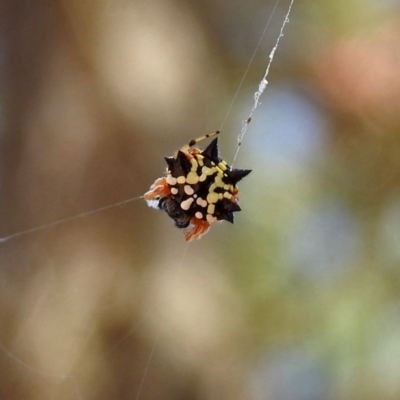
(199, 188)
(173, 208)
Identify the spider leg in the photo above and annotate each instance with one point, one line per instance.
(159, 188)
(199, 228)
(186, 147)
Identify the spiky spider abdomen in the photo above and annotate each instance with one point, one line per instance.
(199, 188)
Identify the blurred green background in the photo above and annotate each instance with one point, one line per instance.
(299, 300)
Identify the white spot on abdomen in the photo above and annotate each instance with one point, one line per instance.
(185, 205)
(171, 180)
(210, 218)
(201, 202)
(188, 190)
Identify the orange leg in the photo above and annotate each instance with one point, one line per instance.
(199, 228)
(159, 188)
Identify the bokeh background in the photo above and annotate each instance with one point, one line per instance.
(299, 300)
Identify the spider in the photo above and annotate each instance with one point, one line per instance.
(199, 188)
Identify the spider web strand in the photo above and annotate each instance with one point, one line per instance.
(248, 66)
(263, 83)
(147, 366)
(63, 220)
(35, 371)
(146, 370)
